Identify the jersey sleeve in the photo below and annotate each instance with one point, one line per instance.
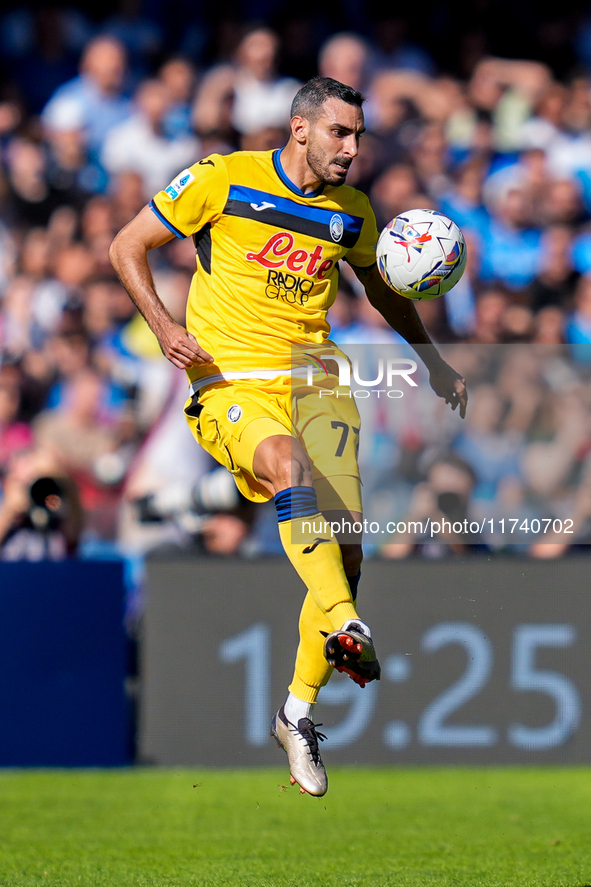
(363, 254)
(194, 198)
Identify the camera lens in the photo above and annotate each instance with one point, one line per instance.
(45, 492)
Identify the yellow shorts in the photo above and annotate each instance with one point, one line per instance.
(230, 419)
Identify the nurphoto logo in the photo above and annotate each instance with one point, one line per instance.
(387, 373)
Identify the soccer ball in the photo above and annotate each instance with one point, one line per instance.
(421, 254)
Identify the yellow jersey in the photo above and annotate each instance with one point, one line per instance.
(267, 259)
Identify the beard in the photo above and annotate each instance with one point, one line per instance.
(321, 167)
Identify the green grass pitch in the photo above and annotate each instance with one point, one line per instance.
(376, 827)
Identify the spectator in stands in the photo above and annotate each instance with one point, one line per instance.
(34, 253)
(179, 77)
(97, 97)
(578, 325)
(544, 125)
(212, 111)
(97, 224)
(30, 197)
(140, 33)
(512, 247)
(60, 290)
(126, 195)
(551, 462)
(94, 443)
(431, 161)
(345, 57)
(8, 255)
(444, 497)
(69, 168)
(42, 44)
(262, 96)
(393, 112)
(68, 353)
(493, 451)
(505, 91)
(489, 316)
(561, 203)
(395, 190)
(557, 543)
(569, 152)
(549, 326)
(393, 46)
(140, 144)
(246, 95)
(463, 198)
(556, 279)
(166, 465)
(15, 435)
(520, 382)
(17, 330)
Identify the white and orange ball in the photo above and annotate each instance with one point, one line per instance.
(421, 254)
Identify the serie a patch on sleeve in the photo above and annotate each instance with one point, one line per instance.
(179, 184)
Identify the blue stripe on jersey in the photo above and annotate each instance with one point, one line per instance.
(165, 221)
(296, 502)
(267, 201)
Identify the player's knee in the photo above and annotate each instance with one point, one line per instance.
(290, 472)
(282, 463)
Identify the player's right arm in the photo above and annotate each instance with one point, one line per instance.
(129, 256)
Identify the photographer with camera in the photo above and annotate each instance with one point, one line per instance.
(444, 499)
(40, 513)
(212, 517)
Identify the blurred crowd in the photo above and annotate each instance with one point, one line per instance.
(97, 115)
(514, 476)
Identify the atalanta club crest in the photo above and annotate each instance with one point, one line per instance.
(337, 228)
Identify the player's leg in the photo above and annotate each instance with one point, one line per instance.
(307, 537)
(265, 458)
(314, 551)
(328, 565)
(268, 462)
(329, 430)
(312, 671)
(349, 648)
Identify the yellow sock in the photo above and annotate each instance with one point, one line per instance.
(312, 671)
(317, 560)
(313, 550)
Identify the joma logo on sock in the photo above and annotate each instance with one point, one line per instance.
(310, 548)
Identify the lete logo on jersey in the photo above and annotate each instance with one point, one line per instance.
(179, 184)
(279, 252)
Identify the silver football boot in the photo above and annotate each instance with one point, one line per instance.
(301, 746)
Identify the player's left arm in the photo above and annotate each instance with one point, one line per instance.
(403, 317)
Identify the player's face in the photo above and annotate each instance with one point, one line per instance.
(333, 141)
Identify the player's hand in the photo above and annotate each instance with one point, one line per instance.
(182, 348)
(448, 384)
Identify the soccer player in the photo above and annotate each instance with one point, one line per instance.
(269, 230)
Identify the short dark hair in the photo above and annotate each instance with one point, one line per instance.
(309, 100)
